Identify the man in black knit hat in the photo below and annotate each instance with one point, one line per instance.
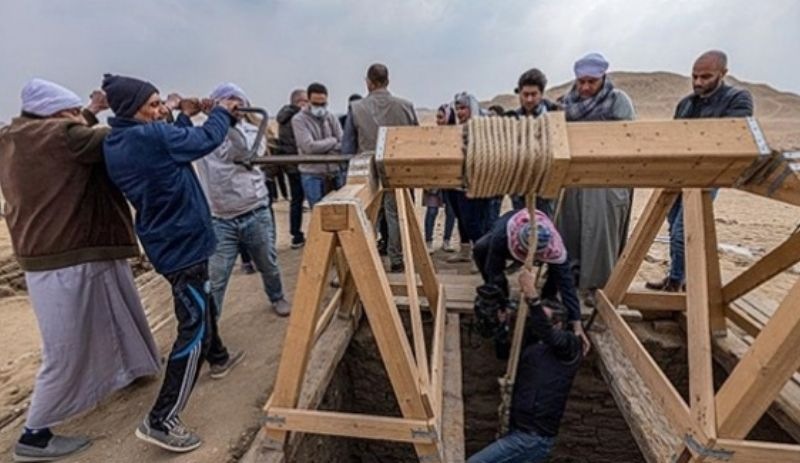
(151, 163)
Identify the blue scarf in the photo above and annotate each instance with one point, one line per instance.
(597, 108)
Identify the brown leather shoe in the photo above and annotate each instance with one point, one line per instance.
(667, 285)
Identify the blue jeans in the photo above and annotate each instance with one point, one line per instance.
(515, 447)
(316, 187)
(255, 231)
(677, 254)
(430, 222)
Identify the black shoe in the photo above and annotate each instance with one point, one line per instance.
(383, 247)
(297, 244)
(667, 285)
(221, 371)
(397, 268)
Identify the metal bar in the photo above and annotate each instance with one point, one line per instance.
(301, 159)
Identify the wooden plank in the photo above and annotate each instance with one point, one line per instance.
(658, 205)
(452, 415)
(762, 372)
(651, 300)
(778, 260)
(742, 451)
(437, 354)
(420, 350)
(352, 425)
(311, 282)
(702, 287)
(422, 260)
(384, 319)
(334, 216)
(662, 390)
(559, 145)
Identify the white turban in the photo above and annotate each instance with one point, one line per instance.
(44, 98)
(228, 90)
(591, 65)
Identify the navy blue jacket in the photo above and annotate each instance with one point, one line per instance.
(151, 163)
(548, 363)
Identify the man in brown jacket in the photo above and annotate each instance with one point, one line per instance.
(71, 234)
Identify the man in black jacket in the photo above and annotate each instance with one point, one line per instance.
(712, 98)
(548, 363)
(287, 145)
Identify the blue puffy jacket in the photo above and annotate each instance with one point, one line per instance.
(151, 163)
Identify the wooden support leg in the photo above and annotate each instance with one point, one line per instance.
(311, 282)
(703, 286)
(420, 350)
(422, 260)
(644, 233)
(763, 371)
(384, 319)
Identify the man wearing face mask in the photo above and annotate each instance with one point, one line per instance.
(317, 131)
(711, 98)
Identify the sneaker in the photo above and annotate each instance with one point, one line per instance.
(248, 268)
(297, 244)
(383, 247)
(429, 246)
(464, 255)
(282, 307)
(221, 371)
(57, 448)
(176, 439)
(448, 247)
(667, 285)
(335, 281)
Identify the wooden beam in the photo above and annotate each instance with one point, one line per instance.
(651, 300)
(763, 371)
(352, 425)
(420, 350)
(778, 260)
(664, 393)
(437, 353)
(644, 233)
(741, 451)
(703, 297)
(311, 282)
(327, 314)
(452, 417)
(558, 139)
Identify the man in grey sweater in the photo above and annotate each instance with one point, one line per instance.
(317, 131)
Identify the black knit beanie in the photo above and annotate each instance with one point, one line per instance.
(126, 95)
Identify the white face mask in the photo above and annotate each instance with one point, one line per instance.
(319, 111)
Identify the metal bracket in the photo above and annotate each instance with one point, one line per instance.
(699, 449)
(380, 147)
(758, 136)
(275, 419)
(423, 433)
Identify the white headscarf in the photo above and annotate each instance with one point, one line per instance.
(228, 90)
(44, 98)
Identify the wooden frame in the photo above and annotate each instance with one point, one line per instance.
(695, 154)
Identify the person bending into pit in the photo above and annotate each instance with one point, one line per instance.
(549, 359)
(508, 240)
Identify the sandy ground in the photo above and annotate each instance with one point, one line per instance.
(227, 412)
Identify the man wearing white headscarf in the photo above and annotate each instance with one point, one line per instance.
(71, 235)
(594, 221)
(239, 202)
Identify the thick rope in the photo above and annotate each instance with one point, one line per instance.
(509, 156)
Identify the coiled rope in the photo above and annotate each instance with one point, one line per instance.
(509, 156)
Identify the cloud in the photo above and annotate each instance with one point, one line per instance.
(433, 48)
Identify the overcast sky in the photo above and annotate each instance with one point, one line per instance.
(433, 48)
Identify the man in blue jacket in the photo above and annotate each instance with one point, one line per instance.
(150, 161)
